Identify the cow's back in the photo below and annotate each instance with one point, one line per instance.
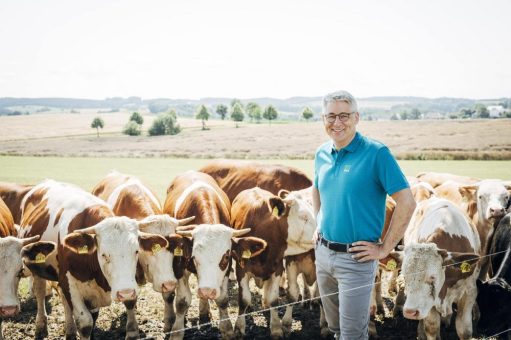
(12, 194)
(236, 176)
(127, 196)
(6, 221)
(197, 194)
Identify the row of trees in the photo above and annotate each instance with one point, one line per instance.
(164, 124)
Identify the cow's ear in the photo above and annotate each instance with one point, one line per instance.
(180, 246)
(464, 263)
(37, 252)
(277, 206)
(80, 243)
(247, 247)
(468, 192)
(393, 261)
(152, 243)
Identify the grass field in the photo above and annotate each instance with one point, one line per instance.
(157, 173)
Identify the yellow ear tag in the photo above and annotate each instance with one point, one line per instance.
(275, 212)
(83, 250)
(178, 251)
(391, 265)
(40, 258)
(156, 248)
(246, 254)
(465, 267)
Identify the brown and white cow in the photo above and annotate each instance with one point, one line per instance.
(12, 194)
(214, 245)
(235, 176)
(440, 267)
(287, 226)
(11, 264)
(437, 178)
(128, 196)
(97, 254)
(492, 197)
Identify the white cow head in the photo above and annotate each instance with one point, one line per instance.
(426, 269)
(492, 198)
(211, 253)
(156, 259)
(11, 272)
(116, 242)
(301, 221)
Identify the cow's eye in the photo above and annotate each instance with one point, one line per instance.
(136, 252)
(20, 273)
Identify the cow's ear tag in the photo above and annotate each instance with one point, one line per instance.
(83, 250)
(156, 248)
(465, 267)
(391, 265)
(178, 251)
(275, 212)
(40, 258)
(246, 254)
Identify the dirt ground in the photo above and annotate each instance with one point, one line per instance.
(112, 320)
(67, 134)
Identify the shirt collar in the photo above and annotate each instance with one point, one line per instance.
(351, 147)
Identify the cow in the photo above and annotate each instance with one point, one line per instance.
(12, 194)
(440, 267)
(235, 176)
(213, 245)
(437, 178)
(494, 295)
(127, 196)
(492, 197)
(287, 227)
(11, 264)
(452, 191)
(96, 255)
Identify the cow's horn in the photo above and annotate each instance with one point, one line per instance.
(89, 230)
(185, 233)
(185, 221)
(240, 232)
(29, 240)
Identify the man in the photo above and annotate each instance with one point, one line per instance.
(353, 175)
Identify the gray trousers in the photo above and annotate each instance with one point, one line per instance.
(345, 287)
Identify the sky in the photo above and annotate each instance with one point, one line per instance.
(261, 48)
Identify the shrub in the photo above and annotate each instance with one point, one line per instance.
(132, 129)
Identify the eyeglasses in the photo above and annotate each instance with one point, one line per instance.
(343, 116)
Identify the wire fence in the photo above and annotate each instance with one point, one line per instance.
(233, 318)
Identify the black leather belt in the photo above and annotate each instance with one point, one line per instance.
(338, 247)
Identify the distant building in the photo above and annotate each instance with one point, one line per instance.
(495, 111)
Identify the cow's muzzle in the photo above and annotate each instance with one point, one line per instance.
(8, 311)
(207, 293)
(168, 286)
(126, 295)
(410, 313)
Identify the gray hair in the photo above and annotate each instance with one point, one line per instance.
(340, 96)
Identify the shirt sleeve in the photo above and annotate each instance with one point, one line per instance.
(390, 175)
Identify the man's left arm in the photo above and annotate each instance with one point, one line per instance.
(405, 205)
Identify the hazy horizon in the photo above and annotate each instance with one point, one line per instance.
(254, 49)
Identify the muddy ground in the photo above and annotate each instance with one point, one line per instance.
(112, 320)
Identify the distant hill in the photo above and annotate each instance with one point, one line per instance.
(375, 107)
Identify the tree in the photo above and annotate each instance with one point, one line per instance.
(97, 123)
(254, 111)
(404, 115)
(237, 113)
(203, 114)
(156, 107)
(394, 116)
(481, 111)
(307, 113)
(132, 128)
(221, 110)
(415, 114)
(466, 113)
(165, 124)
(234, 101)
(270, 113)
(137, 118)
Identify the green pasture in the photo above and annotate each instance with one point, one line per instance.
(157, 173)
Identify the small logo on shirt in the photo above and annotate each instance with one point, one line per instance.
(347, 168)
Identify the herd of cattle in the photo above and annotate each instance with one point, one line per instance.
(257, 221)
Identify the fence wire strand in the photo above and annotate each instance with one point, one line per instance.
(233, 318)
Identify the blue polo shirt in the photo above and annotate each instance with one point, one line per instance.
(353, 183)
